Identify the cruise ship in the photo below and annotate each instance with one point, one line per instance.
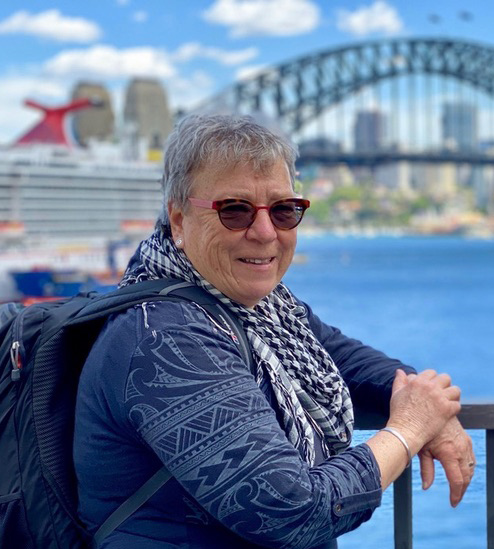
(47, 192)
(64, 206)
(51, 188)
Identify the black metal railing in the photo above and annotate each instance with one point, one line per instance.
(472, 416)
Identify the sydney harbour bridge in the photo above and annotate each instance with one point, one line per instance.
(427, 100)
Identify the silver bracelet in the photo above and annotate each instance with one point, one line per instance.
(401, 438)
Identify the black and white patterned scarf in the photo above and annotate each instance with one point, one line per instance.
(310, 392)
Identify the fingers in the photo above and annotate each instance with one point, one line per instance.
(453, 448)
(459, 477)
(400, 380)
(421, 404)
(427, 470)
(455, 408)
(470, 468)
(458, 473)
(453, 393)
(442, 380)
(467, 470)
(428, 374)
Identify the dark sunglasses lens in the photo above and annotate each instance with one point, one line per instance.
(287, 215)
(236, 216)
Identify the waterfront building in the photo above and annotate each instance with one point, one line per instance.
(369, 130)
(394, 176)
(482, 182)
(440, 181)
(459, 126)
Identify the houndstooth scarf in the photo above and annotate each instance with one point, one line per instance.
(310, 392)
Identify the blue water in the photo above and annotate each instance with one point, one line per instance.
(429, 302)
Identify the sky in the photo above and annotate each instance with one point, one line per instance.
(195, 47)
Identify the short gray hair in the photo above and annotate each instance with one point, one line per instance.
(224, 140)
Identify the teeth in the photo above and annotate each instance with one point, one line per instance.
(257, 261)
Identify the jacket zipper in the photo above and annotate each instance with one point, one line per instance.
(15, 358)
(15, 348)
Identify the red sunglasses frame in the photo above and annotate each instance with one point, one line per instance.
(218, 204)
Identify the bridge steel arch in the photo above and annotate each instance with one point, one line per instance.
(298, 91)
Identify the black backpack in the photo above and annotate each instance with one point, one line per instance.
(42, 350)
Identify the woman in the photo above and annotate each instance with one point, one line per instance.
(258, 458)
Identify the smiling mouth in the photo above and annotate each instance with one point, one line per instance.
(257, 261)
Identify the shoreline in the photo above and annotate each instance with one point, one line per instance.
(392, 232)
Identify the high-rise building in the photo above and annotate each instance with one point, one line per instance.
(95, 122)
(395, 175)
(369, 130)
(459, 126)
(146, 112)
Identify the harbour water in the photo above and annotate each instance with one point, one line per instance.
(428, 301)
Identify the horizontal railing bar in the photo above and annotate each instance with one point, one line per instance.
(477, 416)
(472, 416)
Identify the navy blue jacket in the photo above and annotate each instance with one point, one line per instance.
(163, 385)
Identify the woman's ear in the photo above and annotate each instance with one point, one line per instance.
(175, 217)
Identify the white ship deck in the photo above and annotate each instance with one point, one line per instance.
(72, 196)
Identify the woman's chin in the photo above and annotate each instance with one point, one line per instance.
(253, 293)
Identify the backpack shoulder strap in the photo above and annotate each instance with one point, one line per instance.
(158, 290)
(162, 289)
(220, 313)
(130, 505)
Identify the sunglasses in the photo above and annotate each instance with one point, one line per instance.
(237, 214)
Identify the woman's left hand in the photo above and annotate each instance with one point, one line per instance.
(453, 448)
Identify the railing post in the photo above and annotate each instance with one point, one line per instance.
(402, 508)
(472, 416)
(489, 481)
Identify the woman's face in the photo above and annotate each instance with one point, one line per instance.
(225, 257)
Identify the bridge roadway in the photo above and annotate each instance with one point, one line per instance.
(380, 157)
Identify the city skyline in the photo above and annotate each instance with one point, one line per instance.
(195, 49)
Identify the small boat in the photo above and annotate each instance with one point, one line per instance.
(39, 285)
(300, 259)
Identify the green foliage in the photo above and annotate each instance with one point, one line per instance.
(347, 194)
(298, 187)
(365, 205)
(319, 211)
(421, 204)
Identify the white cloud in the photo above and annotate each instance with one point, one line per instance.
(51, 82)
(378, 17)
(249, 71)
(192, 50)
(103, 61)
(51, 24)
(183, 92)
(264, 17)
(140, 16)
(108, 62)
(189, 92)
(123, 2)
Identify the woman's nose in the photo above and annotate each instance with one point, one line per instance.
(262, 228)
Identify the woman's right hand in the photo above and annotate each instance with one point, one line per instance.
(421, 405)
